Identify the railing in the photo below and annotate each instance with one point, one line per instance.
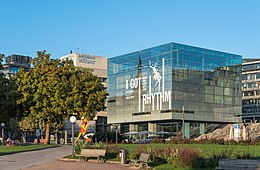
(251, 97)
(250, 89)
(213, 127)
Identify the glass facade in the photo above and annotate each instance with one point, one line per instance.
(172, 82)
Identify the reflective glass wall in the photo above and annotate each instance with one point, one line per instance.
(174, 82)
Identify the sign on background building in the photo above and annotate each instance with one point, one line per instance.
(150, 89)
(86, 58)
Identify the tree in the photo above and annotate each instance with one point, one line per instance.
(7, 96)
(52, 90)
(87, 95)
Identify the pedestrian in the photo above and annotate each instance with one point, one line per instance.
(38, 139)
(9, 142)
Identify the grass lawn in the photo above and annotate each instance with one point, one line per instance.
(15, 149)
(206, 149)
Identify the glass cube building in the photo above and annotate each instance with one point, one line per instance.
(174, 88)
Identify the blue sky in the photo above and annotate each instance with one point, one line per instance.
(114, 27)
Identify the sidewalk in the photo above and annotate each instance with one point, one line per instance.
(70, 165)
(27, 159)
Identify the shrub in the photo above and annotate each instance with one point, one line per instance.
(208, 163)
(113, 149)
(133, 155)
(228, 152)
(78, 147)
(141, 149)
(82, 145)
(183, 157)
(187, 157)
(99, 145)
(245, 155)
(158, 140)
(162, 154)
(231, 142)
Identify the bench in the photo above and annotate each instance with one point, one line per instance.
(248, 164)
(142, 161)
(90, 153)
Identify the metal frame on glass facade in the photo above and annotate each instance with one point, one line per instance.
(152, 86)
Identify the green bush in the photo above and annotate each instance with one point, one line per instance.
(78, 147)
(113, 149)
(187, 157)
(133, 155)
(83, 145)
(158, 140)
(207, 162)
(245, 155)
(183, 157)
(99, 145)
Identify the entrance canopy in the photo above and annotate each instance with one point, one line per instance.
(162, 133)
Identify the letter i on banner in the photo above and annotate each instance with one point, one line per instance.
(163, 75)
(126, 84)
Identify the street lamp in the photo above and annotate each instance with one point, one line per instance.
(2, 125)
(72, 121)
(116, 127)
(183, 125)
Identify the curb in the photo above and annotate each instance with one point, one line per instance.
(95, 161)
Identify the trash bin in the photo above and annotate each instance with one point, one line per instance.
(123, 156)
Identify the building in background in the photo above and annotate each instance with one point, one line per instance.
(98, 66)
(174, 88)
(251, 90)
(14, 62)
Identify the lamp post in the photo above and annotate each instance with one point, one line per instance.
(72, 121)
(3, 125)
(116, 127)
(183, 122)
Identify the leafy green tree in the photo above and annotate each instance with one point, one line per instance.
(52, 90)
(7, 96)
(1, 60)
(87, 95)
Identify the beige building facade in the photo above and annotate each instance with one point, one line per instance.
(97, 64)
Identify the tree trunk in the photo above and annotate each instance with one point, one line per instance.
(56, 137)
(47, 134)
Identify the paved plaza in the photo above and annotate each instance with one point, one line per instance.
(65, 165)
(26, 159)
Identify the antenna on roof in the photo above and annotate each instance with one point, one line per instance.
(77, 49)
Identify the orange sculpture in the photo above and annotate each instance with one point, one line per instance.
(83, 131)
